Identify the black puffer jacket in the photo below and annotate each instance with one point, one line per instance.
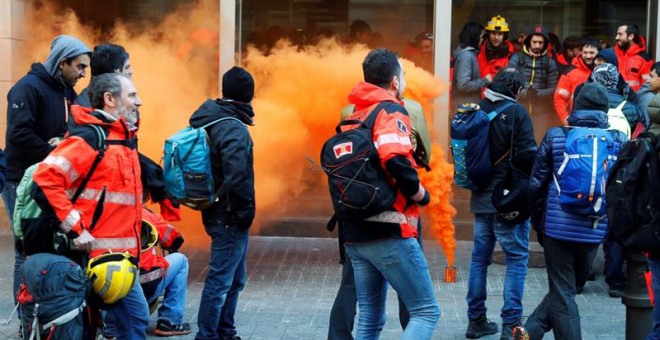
(231, 160)
(540, 72)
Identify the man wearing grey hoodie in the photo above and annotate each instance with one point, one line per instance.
(37, 110)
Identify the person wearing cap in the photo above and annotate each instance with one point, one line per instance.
(496, 48)
(580, 69)
(227, 221)
(37, 111)
(569, 240)
(540, 70)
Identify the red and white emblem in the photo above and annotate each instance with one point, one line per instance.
(343, 149)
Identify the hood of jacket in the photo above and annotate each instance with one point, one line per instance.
(588, 118)
(40, 71)
(609, 55)
(462, 49)
(212, 110)
(536, 30)
(578, 62)
(364, 95)
(84, 115)
(63, 47)
(499, 91)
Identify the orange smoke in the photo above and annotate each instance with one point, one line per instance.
(298, 98)
(438, 181)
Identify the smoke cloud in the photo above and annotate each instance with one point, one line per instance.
(298, 99)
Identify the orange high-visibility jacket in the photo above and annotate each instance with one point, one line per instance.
(567, 84)
(115, 184)
(391, 135)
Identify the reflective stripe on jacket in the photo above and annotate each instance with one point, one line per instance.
(115, 185)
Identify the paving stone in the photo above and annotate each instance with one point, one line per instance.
(292, 283)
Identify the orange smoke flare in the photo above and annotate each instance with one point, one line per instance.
(299, 96)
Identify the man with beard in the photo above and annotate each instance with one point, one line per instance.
(581, 68)
(496, 49)
(630, 49)
(539, 69)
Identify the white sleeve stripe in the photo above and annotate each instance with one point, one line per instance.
(392, 138)
(64, 165)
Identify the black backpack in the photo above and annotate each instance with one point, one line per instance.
(633, 195)
(357, 183)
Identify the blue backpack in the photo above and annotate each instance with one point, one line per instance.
(589, 156)
(470, 147)
(187, 167)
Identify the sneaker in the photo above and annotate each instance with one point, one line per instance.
(520, 333)
(615, 293)
(507, 330)
(480, 327)
(166, 328)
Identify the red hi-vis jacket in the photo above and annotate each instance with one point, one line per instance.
(391, 135)
(632, 66)
(115, 184)
(152, 265)
(493, 66)
(567, 84)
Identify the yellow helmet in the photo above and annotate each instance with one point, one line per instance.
(497, 24)
(148, 235)
(112, 275)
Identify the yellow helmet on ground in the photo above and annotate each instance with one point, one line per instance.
(497, 24)
(112, 275)
(148, 235)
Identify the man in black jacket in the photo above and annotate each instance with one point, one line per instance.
(227, 221)
(37, 112)
(510, 132)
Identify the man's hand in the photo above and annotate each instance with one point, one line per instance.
(489, 77)
(83, 241)
(54, 141)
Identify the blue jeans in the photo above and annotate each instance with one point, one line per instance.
(514, 240)
(225, 279)
(342, 314)
(558, 311)
(131, 314)
(401, 263)
(173, 287)
(614, 258)
(9, 198)
(654, 266)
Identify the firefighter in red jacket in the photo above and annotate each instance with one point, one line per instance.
(496, 48)
(634, 62)
(582, 66)
(106, 218)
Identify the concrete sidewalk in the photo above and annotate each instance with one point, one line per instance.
(293, 281)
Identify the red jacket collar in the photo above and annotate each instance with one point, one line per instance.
(364, 95)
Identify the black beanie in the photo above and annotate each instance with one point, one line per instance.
(238, 85)
(593, 96)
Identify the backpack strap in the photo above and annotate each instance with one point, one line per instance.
(219, 120)
(492, 115)
(101, 146)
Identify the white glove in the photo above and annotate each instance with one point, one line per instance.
(83, 241)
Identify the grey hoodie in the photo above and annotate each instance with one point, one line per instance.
(63, 47)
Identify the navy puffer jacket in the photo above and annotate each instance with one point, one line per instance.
(547, 214)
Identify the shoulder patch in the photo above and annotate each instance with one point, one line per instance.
(401, 126)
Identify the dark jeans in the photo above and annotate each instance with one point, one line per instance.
(614, 258)
(9, 198)
(342, 314)
(225, 279)
(558, 311)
